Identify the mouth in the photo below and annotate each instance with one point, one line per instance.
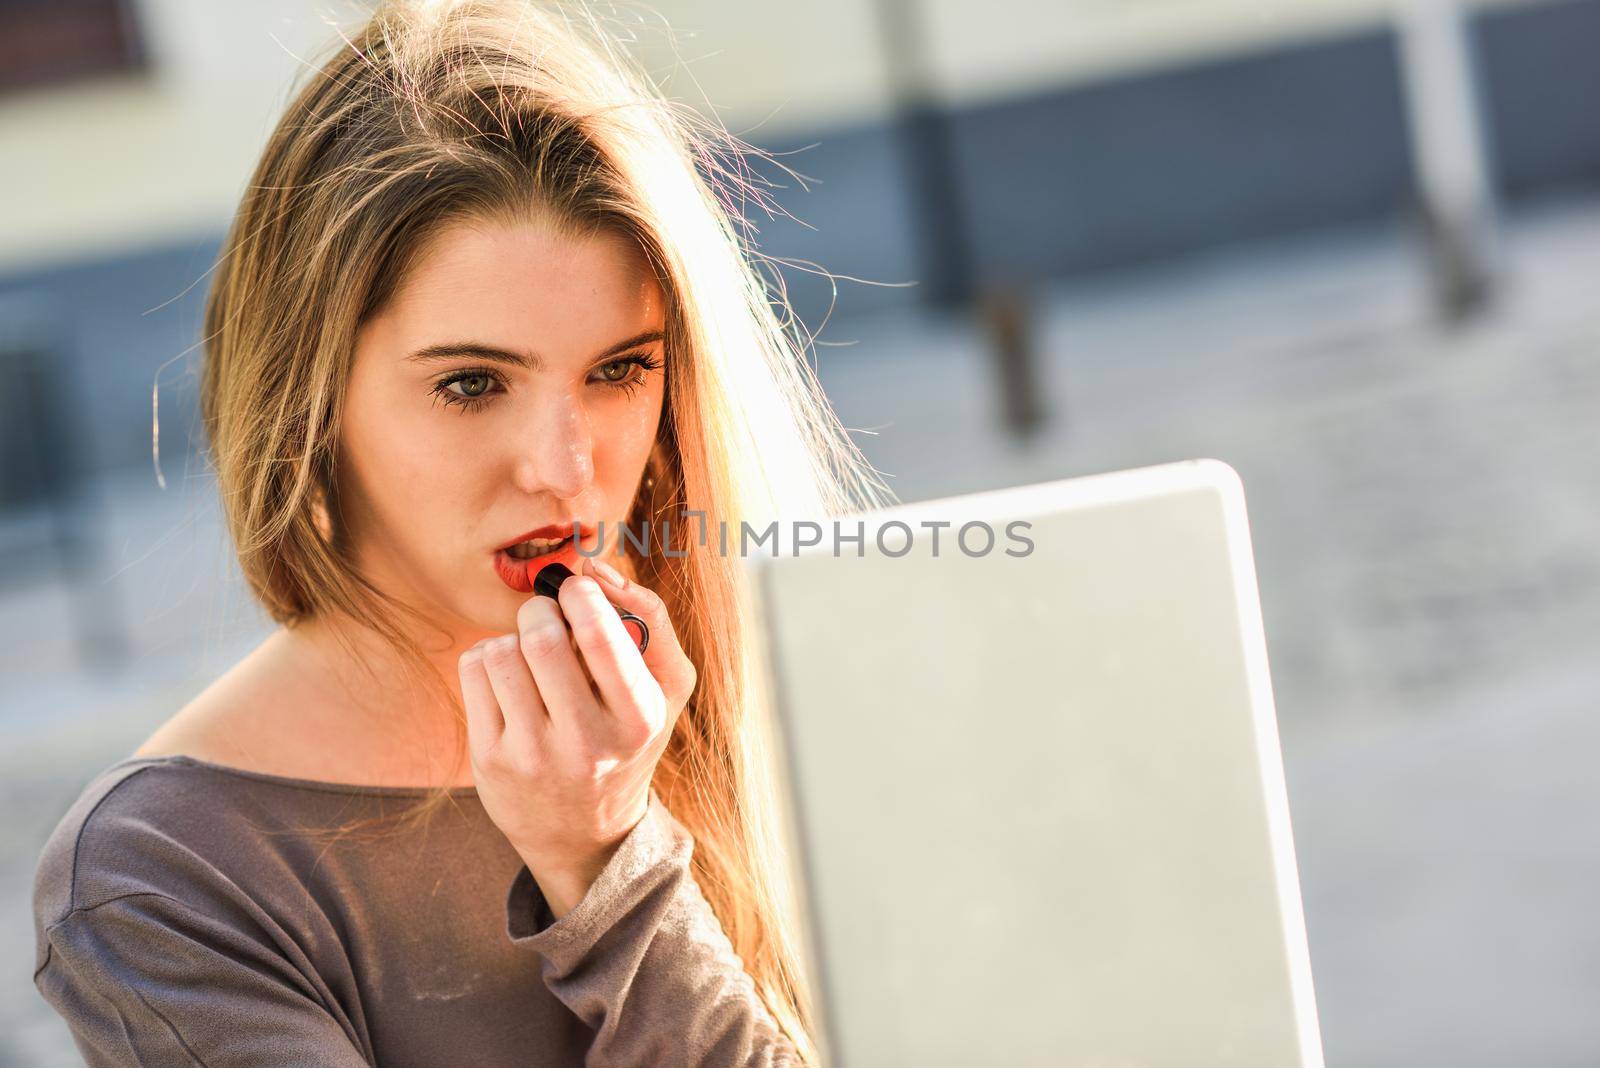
(534, 548)
(518, 562)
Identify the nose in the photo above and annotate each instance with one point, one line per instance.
(555, 453)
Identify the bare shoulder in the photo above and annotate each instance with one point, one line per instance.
(236, 718)
(274, 712)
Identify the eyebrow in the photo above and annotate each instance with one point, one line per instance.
(451, 350)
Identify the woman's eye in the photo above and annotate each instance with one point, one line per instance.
(469, 389)
(475, 385)
(619, 374)
(472, 389)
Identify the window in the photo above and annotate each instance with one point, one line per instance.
(54, 42)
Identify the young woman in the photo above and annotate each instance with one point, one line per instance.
(483, 293)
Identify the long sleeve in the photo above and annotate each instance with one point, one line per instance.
(643, 961)
(143, 979)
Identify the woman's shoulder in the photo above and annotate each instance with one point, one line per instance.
(229, 717)
(146, 820)
(180, 833)
(161, 913)
(145, 824)
(272, 717)
(128, 832)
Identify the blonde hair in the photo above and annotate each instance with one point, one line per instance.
(437, 112)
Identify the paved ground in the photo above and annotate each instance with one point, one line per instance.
(1425, 509)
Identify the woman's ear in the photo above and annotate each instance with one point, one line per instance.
(646, 503)
(319, 515)
(651, 507)
(324, 506)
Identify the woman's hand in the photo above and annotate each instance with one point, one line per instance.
(565, 731)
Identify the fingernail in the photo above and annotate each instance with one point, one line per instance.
(609, 574)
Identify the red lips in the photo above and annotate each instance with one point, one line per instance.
(552, 530)
(518, 574)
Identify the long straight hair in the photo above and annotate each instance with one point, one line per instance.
(432, 113)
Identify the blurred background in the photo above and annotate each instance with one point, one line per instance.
(1351, 247)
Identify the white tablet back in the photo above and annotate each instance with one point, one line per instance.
(1038, 800)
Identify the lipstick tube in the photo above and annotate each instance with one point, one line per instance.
(548, 582)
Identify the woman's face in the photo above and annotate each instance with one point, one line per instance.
(515, 381)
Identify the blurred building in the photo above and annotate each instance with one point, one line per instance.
(1079, 136)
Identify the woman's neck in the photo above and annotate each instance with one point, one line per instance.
(396, 728)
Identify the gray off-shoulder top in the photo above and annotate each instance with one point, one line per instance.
(184, 916)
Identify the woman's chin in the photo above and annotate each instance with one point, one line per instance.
(484, 607)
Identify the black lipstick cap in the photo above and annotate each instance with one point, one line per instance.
(550, 577)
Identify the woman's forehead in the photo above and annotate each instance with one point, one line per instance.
(528, 283)
(468, 251)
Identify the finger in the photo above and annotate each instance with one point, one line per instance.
(547, 648)
(485, 725)
(664, 656)
(512, 682)
(607, 647)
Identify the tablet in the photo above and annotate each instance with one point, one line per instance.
(1032, 779)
